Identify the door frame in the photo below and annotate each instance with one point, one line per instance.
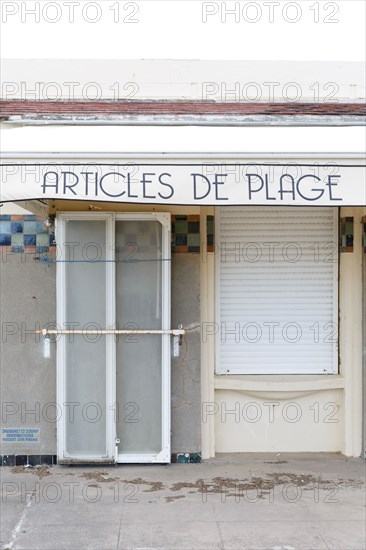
(63, 456)
(112, 456)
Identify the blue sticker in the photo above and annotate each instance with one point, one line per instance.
(20, 435)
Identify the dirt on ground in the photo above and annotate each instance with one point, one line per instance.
(224, 485)
(40, 471)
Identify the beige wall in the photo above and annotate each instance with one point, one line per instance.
(282, 422)
(350, 315)
(290, 413)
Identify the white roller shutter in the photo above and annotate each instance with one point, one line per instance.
(276, 290)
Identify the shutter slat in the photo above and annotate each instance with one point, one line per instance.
(259, 285)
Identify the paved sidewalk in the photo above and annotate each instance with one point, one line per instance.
(277, 502)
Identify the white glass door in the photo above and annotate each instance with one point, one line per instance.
(113, 272)
(143, 360)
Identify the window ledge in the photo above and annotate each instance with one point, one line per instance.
(284, 386)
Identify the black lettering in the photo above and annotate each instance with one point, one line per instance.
(47, 185)
(330, 185)
(321, 191)
(102, 188)
(70, 185)
(217, 183)
(129, 192)
(166, 185)
(250, 188)
(144, 181)
(282, 191)
(196, 197)
(267, 190)
(87, 174)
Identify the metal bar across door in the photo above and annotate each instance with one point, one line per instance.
(173, 332)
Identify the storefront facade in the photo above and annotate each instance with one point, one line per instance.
(182, 304)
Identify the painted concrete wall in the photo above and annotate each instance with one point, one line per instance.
(28, 379)
(219, 80)
(186, 387)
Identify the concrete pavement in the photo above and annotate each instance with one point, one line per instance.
(252, 501)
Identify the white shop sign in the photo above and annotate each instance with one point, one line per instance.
(219, 183)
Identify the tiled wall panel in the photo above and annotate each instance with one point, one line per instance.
(30, 234)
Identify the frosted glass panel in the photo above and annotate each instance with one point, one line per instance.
(85, 369)
(139, 357)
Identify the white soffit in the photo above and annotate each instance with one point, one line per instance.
(188, 139)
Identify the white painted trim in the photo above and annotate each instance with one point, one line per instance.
(336, 212)
(60, 348)
(211, 349)
(282, 384)
(161, 458)
(165, 455)
(162, 217)
(205, 369)
(207, 305)
(217, 291)
(111, 427)
(178, 155)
